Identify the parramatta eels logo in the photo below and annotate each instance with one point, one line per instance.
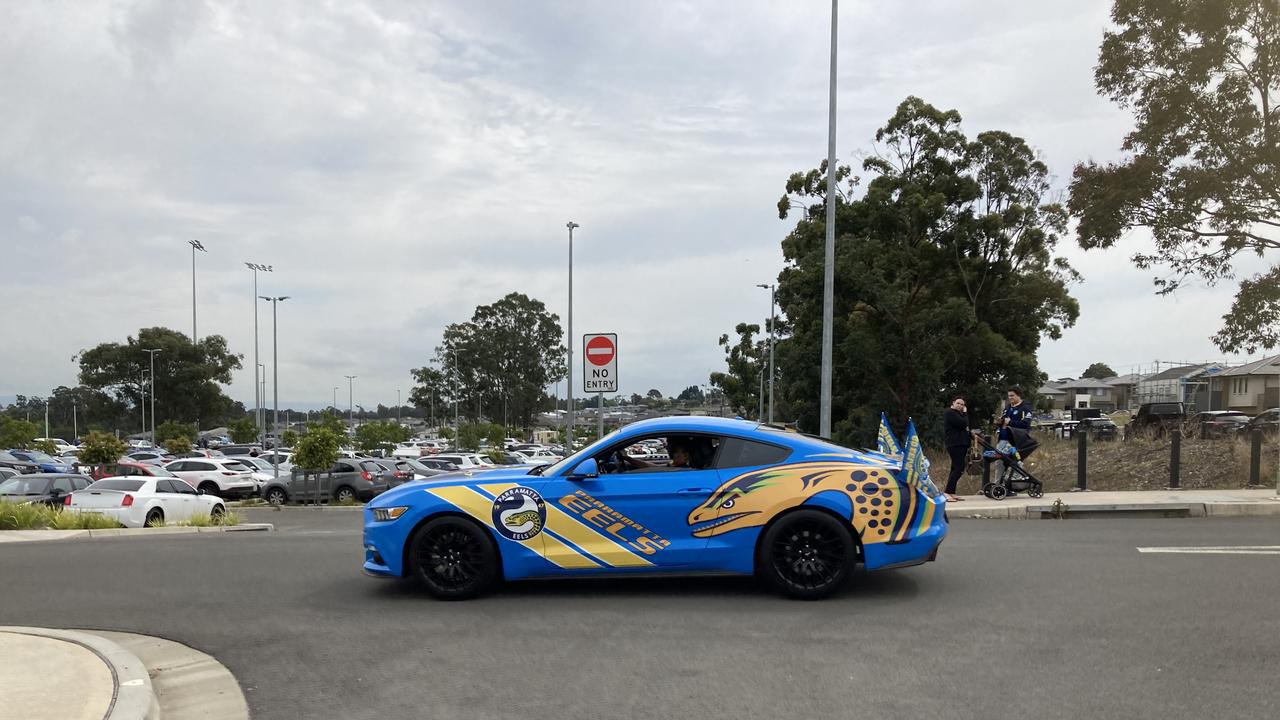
(881, 509)
(519, 513)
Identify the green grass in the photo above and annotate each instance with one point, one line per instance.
(14, 516)
(203, 520)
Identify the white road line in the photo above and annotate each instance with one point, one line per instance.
(1216, 550)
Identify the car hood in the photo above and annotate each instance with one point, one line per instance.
(399, 494)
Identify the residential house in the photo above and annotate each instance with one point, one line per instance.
(1252, 388)
(1188, 384)
(1057, 396)
(1124, 390)
(1088, 393)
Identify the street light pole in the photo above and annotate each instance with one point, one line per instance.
(275, 379)
(195, 245)
(456, 398)
(152, 352)
(569, 366)
(829, 269)
(773, 321)
(335, 399)
(397, 406)
(257, 397)
(351, 406)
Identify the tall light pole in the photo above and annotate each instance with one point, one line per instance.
(829, 269)
(257, 397)
(773, 320)
(456, 398)
(397, 406)
(351, 407)
(152, 352)
(46, 417)
(568, 433)
(335, 399)
(262, 393)
(142, 402)
(275, 378)
(195, 245)
(75, 423)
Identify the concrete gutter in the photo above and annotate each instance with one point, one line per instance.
(10, 536)
(132, 696)
(1156, 503)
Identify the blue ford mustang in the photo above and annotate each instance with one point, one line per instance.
(737, 498)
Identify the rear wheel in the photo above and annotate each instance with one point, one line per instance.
(276, 496)
(344, 494)
(155, 516)
(454, 558)
(807, 554)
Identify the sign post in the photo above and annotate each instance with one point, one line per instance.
(600, 370)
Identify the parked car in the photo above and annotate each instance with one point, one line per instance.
(127, 468)
(142, 501)
(223, 477)
(1219, 423)
(465, 461)
(1268, 422)
(1099, 428)
(238, 450)
(7, 472)
(42, 488)
(262, 469)
(396, 471)
(425, 468)
(59, 444)
(11, 461)
(348, 480)
(150, 457)
(1157, 418)
(285, 458)
(202, 453)
(413, 448)
(46, 463)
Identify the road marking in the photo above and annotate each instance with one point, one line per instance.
(1216, 550)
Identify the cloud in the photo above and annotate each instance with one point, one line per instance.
(399, 164)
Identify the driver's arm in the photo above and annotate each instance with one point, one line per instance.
(631, 462)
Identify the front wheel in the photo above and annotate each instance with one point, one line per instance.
(276, 496)
(454, 558)
(808, 554)
(345, 494)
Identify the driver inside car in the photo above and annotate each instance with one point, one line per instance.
(685, 452)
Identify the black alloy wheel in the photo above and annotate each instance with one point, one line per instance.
(807, 554)
(454, 558)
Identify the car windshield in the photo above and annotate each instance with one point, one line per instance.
(37, 456)
(1234, 417)
(25, 486)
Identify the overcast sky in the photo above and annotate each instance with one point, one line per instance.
(399, 163)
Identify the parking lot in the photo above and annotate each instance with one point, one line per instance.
(1050, 619)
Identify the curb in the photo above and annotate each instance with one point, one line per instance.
(133, 696)
(1171, 510)
(299, 507)
(8, 536)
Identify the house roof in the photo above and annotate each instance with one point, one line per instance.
(1085, 383)
(1265, 366)
(1130, 379)
(1050, 390)
(1177, 373)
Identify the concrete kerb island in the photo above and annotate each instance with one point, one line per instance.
(7, 536)
(1156, 503)
(50, 675)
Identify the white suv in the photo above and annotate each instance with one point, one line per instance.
(466, 461)
(223, 477)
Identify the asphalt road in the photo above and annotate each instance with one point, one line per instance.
(1017, 619)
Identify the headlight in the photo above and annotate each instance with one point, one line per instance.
(388, 514)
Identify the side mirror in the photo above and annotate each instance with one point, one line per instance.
(588, 468)
(200, 491)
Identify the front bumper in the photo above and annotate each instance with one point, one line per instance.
(383, 543)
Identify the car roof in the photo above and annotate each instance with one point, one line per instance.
(743, 429)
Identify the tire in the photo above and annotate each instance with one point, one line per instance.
(276, 496)
(454, 558)
(998, 492)
(344, 494)
(807, 555)
(155, 516)
(217, 514)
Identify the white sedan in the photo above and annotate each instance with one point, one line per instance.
(141, 501)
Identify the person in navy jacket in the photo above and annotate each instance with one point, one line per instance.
(1017, 415)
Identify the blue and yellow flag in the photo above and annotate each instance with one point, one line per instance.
(886, 443)
(915, 466)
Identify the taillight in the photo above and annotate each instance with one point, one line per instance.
(365, 474)
(127, 501)
(228, 472)
(66, 500)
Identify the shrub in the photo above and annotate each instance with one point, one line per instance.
(317, 450)
(244, 430)
(177, 445)
(39, 517)
(101, 449)
(170, 429)
(16, 433)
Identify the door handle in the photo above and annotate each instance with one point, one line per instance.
(693, 491)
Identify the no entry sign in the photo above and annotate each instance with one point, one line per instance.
(600, 363)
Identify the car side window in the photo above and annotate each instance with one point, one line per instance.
(737, 452)
(182, 488)
(163, 486)
(343, 468)
(201, 466)
(80, 483)
(63, 484)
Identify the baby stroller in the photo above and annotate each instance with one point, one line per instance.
(1014, 476)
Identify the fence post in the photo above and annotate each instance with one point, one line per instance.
(1255, 457)
(1175, 459)
(1082, 459)
(986, 465)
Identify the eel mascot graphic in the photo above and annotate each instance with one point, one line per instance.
(880, 500)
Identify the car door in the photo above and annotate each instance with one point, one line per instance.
(632, 519)
(738, 464)
(192, 503)
(170, 502)
(61, 488)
